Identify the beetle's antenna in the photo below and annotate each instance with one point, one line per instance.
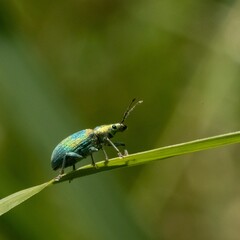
(130, 108)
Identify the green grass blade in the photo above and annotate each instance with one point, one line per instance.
(155, 154)
(131, 160)
(15, 199)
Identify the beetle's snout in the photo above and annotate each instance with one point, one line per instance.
(123, 127)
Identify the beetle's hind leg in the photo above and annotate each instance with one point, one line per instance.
(74, 167)
(63, 165)
(67, 157)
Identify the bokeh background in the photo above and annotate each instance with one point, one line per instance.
(71, 65)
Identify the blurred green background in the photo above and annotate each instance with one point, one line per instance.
(71, 65)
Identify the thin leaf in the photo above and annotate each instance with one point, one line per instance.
(15, 199)
(131, 160)
(153, 155)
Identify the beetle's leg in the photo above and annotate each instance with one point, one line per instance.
(93, 149)
(63, 165)
(105, 153)
(125, 151)
(120, 144)
(69, 155)
(116, 144)
(112, 144)
(93, 163)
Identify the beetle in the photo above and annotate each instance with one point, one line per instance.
(83, 143)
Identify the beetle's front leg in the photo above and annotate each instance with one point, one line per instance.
(114, 146)
(125, 151)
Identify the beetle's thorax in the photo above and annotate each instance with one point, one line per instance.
(109, 130)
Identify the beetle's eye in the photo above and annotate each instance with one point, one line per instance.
(114, 126)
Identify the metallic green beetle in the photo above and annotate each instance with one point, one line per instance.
(85, 142)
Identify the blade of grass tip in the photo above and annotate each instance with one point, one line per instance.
(15, 199)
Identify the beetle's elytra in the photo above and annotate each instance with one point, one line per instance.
(85, 142)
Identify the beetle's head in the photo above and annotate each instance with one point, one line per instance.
(117, 127)
(110, 130)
